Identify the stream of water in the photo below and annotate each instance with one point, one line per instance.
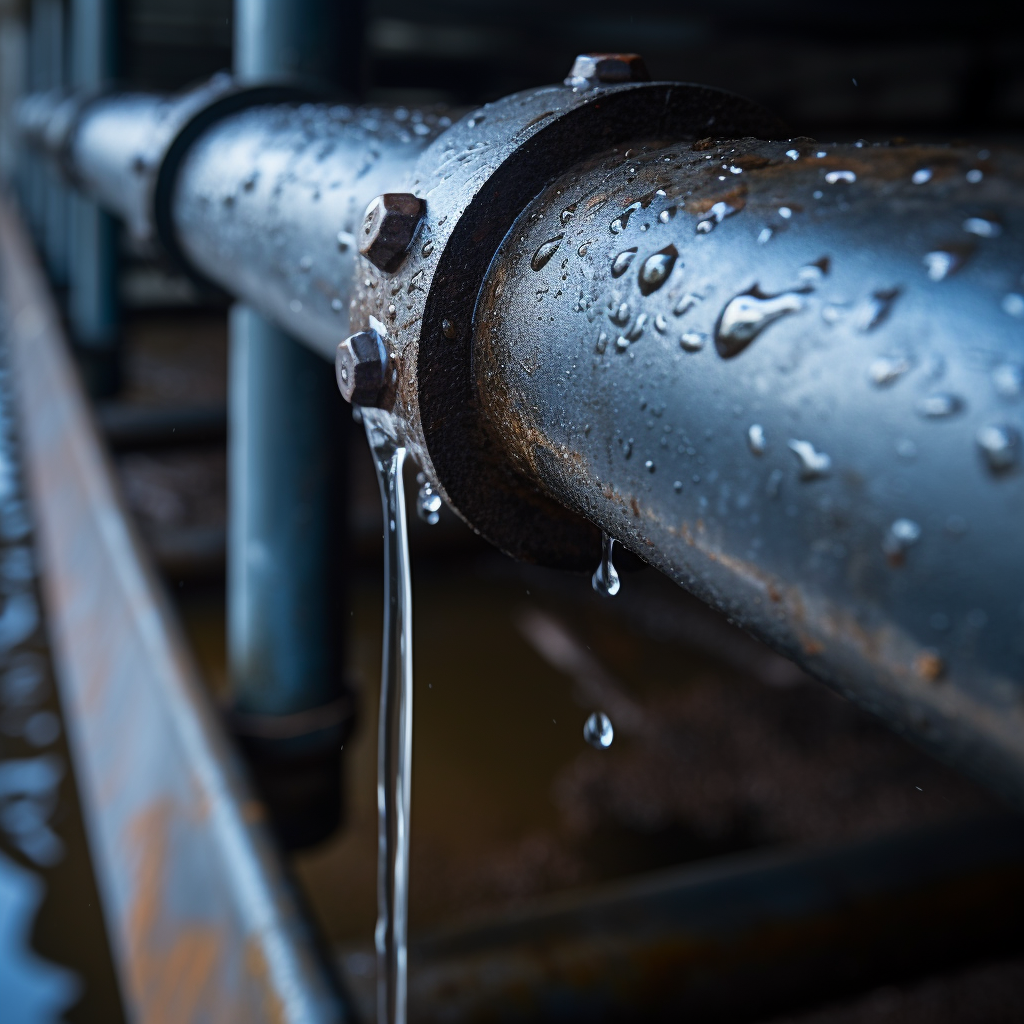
(394, 731)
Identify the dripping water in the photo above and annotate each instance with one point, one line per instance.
(394, 732)
(606, 578)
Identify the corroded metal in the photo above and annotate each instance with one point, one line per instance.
(202, 921)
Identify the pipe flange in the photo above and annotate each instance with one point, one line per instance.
(476, 179)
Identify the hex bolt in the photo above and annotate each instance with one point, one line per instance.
(360, 366)
(389, 225)
(592, 69)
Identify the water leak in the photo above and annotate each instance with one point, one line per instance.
(746, 316)
(545, 251)
(1000, 446)
(394, 732)
(813, 464)
(622, 262)
(656, 269)
(606, 577)
(598, 730)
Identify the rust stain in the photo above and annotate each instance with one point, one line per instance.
(735, 197)
(173, 967)
(929, 666)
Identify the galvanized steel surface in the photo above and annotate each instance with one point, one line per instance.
(202, 921)
(790, 376)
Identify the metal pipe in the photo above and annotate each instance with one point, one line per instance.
(789, 376)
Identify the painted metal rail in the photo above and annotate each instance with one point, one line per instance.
(787, 374)
(202, 919)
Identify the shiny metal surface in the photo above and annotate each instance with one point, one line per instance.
(789, 375)
(203, 923)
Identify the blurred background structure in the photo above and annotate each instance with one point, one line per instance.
(184, 502)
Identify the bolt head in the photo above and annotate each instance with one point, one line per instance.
(592, 69)
(389, 224)
(360, 366)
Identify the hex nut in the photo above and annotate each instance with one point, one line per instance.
(360, 366)
(591, 69)
(389, 225)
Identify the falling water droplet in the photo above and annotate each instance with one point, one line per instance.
(622, 262)
(921, 176)
(746, 316)
(1000, 446)
(888, 369)
(939, 405)
(902, 534)
(813, 464)
(606, 577)
(835, 177)
(693, 341)
(598, 731)
(656, 269)
(756, 440)
(545, 251)
(428, 504)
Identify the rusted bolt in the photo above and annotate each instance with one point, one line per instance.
(592, 69)
(389, 224)
(361, 368)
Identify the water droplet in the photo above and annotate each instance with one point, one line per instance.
(428, 248)
(817, 193)
(678, 487)
(448, 329)
(660, 324)
(428, 504)
(693, 341)
(921, 176)
(812, 274)
(606, 577)
(602, 343)
(982, 227)
(545, 251)
(906, 449)
(583, 249)
(337, 305)
(619, 314)
(306, 264)
(656, 269)
(1013, 304)
(793, 154)
(622, 343)
(974, 175)
(764, 236)
(942, 263)
(1000, 445)
(649, 466)
(598, 731)
(621, 222)
(939, 405)
(622, 262)
(667, 214)
(746, 316)
(637, 329)
(870, 313)
(568, 213)
(295, 306)
(716, 215)
(785, 212)
(686, 303)
(346, 241)
(756, 440)
(813, 464)
(902, 534)
(835, 177)
(1008, 379)
(888, 369)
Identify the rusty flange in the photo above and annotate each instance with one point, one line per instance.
(476, 179)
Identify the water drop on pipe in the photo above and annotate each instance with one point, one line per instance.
(606, 577)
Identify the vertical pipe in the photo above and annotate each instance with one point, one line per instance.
(92, 274)
(287, 458)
